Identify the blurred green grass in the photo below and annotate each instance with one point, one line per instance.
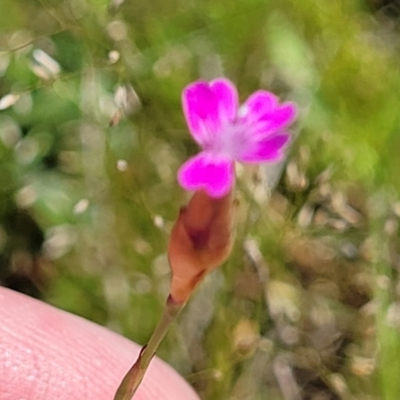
(90, 140)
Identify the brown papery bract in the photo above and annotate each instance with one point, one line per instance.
(200, 241)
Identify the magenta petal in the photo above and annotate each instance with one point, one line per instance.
(203, 171)
(266, 150)
(207, 107)
(227, 99)
(259, 104)
(283, 116)
(201, 111)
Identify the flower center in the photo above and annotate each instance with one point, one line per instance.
(230, 141)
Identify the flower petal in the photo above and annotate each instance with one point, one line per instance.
(227, 99)
(266, 150)
(265, 114)
(257, 105)
(200, 110)
(214, 175)
(281, 117)
(207, 107)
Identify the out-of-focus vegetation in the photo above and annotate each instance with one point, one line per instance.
(91, 137)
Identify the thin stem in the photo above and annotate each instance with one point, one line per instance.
(135, 375)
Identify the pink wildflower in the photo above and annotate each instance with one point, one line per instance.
(253, 133)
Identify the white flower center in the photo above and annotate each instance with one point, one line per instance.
(230, 142)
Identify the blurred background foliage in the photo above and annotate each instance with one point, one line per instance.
(91, 137)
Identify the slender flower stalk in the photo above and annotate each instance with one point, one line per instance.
(135, 375)
(200, 241)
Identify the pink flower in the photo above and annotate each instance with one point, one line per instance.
(253, 133)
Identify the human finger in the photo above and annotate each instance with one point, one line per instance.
(49, 354)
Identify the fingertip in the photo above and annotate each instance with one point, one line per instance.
(49, 354)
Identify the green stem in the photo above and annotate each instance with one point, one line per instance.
(135, 375)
